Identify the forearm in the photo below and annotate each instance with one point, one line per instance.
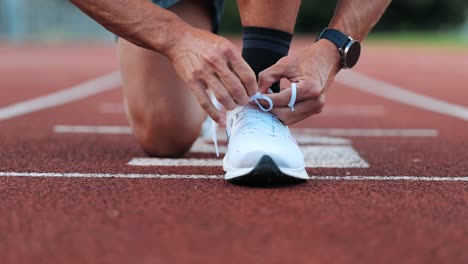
(138, 21)
(356, 18)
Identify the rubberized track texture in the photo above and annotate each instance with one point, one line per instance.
(388, 159)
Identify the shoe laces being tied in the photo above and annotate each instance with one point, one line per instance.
(255, 98)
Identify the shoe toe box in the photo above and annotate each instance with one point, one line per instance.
(248, 152)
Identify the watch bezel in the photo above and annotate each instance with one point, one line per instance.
(345, 53)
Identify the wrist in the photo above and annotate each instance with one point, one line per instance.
(168, 34)
(330, 53)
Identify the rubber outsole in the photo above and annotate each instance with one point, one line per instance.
(266, 173)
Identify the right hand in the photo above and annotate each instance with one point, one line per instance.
(206, 61)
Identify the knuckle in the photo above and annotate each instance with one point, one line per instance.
(212, 113)
(198, 72)
(227, 50)
(212, 59)
(224, 74)
(262, 75)
(321, 101)
(237, 93)
(205, 105)
(227, 102)
(222, 100)
(192, 82)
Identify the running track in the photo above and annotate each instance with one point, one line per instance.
(389, 155)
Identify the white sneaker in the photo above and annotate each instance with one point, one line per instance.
(260, 146)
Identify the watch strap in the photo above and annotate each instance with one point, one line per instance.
(335, 36)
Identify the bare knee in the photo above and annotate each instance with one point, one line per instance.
(170, 139)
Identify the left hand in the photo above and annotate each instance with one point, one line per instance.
(313, 69)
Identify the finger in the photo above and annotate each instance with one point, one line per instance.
(304, 92)
(302, 111)
(231, 81)
(245, 74)
(220, 92)
(273, 74)
(204, 100)
(282, 98)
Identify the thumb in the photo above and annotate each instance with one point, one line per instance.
(273, 74)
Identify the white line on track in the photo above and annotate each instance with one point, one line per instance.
(300, 132)
(112, 108)
(354, 110)
(373, 86)
(364, 132)
(175, 162)
(200, 176)
(314, 157)
(93, 129)
(74, 93)
(108, 175)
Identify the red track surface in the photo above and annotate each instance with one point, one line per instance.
(112, 220)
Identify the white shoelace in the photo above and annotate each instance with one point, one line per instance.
(255, 98)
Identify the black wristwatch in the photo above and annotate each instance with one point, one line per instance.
(349, 49)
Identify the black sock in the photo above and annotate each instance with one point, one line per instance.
(263, 47)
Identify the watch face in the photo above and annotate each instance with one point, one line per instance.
(351, 54)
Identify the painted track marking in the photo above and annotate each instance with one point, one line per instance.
(314, 157)
(373, 86)
(74, 93)
(298, 132)
(363, 132)
(126, 130)
(112, 108)
(200, 176)
(354, 110)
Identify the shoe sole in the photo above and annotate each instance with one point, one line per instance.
(266, 172)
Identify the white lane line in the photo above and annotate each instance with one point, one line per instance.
(332, 157)
(200, 176)
(373, 86)
(74, 93)
(320, 140)
(93, 129)
(304, 135)
(354, 110)
(175, 162)
(112, 108)
(314, 157)
(202, 146)
(389, 178)
(108, 175)
(359, 132)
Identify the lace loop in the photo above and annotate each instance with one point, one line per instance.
(258, 96)
(293, 96)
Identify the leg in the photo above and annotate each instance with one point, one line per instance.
(268, 27)
(275, 14)
(165, 116)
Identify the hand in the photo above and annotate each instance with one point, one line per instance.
(206, 61)
(313, 69)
